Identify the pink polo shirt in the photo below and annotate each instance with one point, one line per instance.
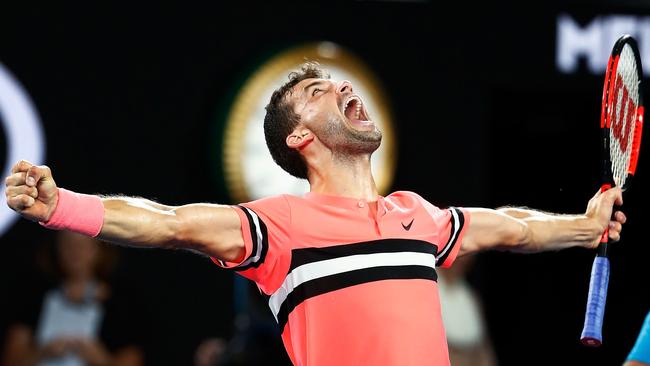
(348, 285)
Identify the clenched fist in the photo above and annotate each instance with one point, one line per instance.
(31, 191)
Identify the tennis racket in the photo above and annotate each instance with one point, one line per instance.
(621, 124)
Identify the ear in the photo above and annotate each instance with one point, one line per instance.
(299, 138)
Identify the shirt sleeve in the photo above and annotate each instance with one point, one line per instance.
(265, 227)
(450, 225)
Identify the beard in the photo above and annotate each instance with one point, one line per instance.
(345, 140)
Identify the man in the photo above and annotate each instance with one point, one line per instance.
(350, 274)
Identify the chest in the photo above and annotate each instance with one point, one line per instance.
(334, 225)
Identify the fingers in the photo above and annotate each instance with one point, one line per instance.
(616, 226)
(20, 202)
(22, 189)
(21, 166)
(19, 196)
(36, 173)
(16, 179)
(615, 231)
(31, 191)
(618, 196)
(620, 217)
(610, 197)
(613, 195)
(33, 173)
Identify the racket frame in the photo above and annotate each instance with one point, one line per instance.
(592, 330)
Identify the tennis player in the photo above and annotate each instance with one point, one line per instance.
(350, 275)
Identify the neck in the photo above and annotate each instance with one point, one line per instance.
(348, 176)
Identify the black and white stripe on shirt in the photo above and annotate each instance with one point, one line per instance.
(457, 222)
(315, 271)
(259, 239)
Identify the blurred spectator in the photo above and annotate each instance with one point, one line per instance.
(257, 339)
(73, 320)
(257, 344)
(640, 353)
(462, 313)
(210, 352)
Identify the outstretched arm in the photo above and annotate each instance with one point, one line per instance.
(214, 230)
(524, 230)
(211, 229)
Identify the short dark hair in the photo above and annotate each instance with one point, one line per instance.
(281, 120)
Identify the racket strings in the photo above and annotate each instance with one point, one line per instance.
(625, 103)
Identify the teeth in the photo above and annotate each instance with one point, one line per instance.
(358, 106)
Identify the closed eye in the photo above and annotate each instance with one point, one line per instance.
(316, 90)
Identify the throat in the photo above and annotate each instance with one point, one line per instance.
(345, 178)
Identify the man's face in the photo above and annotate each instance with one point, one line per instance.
(335, 115)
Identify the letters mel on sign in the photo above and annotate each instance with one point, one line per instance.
(592, 41)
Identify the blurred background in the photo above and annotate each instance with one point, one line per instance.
(488, 108)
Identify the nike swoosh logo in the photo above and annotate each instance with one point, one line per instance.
(408, 227)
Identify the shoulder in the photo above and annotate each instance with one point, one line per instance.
(408, 199)
(404, 195)
(277, 202)
(273, 209)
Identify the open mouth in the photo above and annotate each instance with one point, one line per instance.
(355, 111)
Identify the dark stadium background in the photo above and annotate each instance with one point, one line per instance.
(128, 98)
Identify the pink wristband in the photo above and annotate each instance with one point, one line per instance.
(81, 213)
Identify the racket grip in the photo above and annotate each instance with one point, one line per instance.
(592, 330)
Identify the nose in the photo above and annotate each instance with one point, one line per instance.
(344, 87)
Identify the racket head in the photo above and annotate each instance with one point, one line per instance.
(622, 113)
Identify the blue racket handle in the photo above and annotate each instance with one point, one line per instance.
(592, 331)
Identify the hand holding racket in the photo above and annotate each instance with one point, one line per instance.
(621, 124)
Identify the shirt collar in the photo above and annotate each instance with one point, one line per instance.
(346, 202)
